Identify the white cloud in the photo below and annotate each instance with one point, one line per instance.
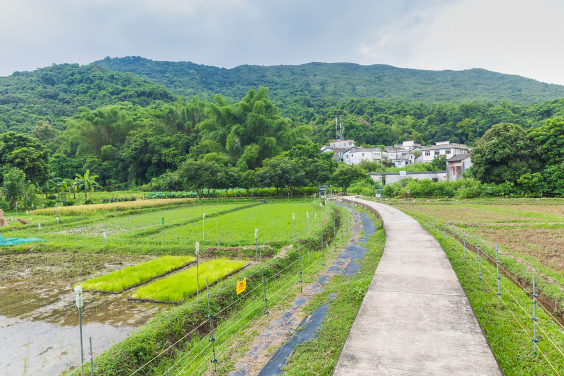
(510, 36)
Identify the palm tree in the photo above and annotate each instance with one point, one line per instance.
(88, 182)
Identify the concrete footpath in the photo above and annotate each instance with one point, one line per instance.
(415, 318)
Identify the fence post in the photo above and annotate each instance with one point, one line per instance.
(300, 273)
(79, 305)
(263, 286)
(535, 319)
(197, 271)
(256, 245)
(479, 265)
(212, 340)
(91, 359)
(453, 248)
(497, 266)
(464, 239)
(307, 215)
(322, 244)
(294, 220)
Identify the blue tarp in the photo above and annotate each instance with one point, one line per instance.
(15, 241)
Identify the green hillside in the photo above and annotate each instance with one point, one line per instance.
(59, 90)
(319, 82)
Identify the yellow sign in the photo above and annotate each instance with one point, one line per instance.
(241, 286)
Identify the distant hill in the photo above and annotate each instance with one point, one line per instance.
(59, 90)
(339, 81)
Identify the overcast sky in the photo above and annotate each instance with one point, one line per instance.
(521, 37)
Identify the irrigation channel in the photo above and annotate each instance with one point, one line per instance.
(290, 329)
(39, 319)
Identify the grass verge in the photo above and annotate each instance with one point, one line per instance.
(181, 285)
(319, 355)
(507, 326)
(134, 275)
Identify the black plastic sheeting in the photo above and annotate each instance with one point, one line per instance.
(311, 323)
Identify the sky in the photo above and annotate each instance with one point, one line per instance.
(520, 37)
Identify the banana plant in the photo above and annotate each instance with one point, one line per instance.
(88, 182)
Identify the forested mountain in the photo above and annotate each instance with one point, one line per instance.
(376, 122)
(320, 82)
(49, 93)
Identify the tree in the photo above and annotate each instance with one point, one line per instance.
(194, 174)
(278, 173)
(14, 188)
(503, 154)
(549, 141)
(25, 153)
(438, 163)
(88, 182)
(346, 174)
(44, 132)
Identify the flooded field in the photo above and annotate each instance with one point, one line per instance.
(39, 331)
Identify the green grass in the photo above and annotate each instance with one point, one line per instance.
(319, 355)
(507, 326)
(181, 285)
(133, 275)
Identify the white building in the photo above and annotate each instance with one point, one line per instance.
(342, 144)
(457, 165)
(384, 178)
(428, 153)
(400, 155)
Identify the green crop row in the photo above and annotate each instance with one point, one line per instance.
(180, 286)
(136, 274)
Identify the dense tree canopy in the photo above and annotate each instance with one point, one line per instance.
(26, 154)
(504, 154)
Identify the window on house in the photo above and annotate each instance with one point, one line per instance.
(427, 153)
(436, 152)
(363, 154)
(448, 151)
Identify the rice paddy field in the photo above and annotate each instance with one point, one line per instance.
(138, 251)
(173, 228)
(134, 275)
(180, 286)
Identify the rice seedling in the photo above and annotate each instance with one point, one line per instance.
(111, 207)
(134, 275)
(182, 285)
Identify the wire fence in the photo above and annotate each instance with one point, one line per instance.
(471, 248)
(280, 283)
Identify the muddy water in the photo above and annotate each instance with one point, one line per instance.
(39, 332)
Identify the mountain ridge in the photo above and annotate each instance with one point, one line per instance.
(338, 81)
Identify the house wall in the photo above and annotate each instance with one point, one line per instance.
(459, 168)
(393, 177)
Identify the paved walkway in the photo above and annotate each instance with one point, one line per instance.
(415, 318)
